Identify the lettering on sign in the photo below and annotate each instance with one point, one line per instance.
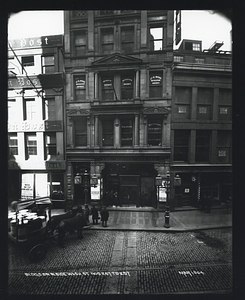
(36, 42)
(24, 82)
(26, 126)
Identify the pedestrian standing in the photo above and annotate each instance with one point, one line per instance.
(104, 216)
(86, 212)
(95, 215)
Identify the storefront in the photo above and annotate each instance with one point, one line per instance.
(216, 185)
(118, 183)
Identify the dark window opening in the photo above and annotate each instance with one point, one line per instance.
(107, 88)
(127, 39)
(155, 85)
(80, 43)
(107, 40)
(127, 87)
(80, 133)
(80, 87)
(181, 145)
(107, 132)
(154, 132)
(31, 144)
(50, 144)
(48, 64)
(202, 145)
(27, 61)
(126, 133)
(13, 143)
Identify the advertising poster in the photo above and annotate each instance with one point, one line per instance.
(162, 194)
(27, 184)
(95, 191)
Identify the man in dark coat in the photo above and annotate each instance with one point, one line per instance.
(95, 215)
(104, 216)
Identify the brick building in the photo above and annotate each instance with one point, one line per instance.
(35, 118)
(201, 128)
(118, 104)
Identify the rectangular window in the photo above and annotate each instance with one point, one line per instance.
(202, 145)
(178, 58)
(181, 145)
(107, 88)
(154, 132)
(12, 110)
(204, 104)
(31, 144)
(48, 64)
(50, 144)
(30, 109)
(80, 87)
(107, 40)
(49, 110)
(126, 133)
(196, 47)
(127, 39)
(155, 85)
(27, 61)
(224, 144)
(127, 87)
(156, 39)
(79, 43)
(225, 105)
(199, 60)
(13, 143)
(107, 132)
(183, 97)
(80, 133)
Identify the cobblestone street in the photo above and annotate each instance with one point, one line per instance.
(125, 262)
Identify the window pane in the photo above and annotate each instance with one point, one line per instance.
(107, 88)
(31, 144)
(155, 84)
(81, 133)
(156, 38)
(13, 144)
(27, 61)
(80, 87)
(181, 145)
(127, 85)
(154, 132)
(108, 132)
(30, 109)
(202, 146)
(126, 132)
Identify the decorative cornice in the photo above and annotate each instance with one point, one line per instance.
(78, 112)
(115, 59)
(156, 110)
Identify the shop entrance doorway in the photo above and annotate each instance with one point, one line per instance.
(129, 191)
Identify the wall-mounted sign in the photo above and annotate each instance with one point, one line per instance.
(127, 82)
(51, 165)
(37, 42)
(26, 126)
(53, 125)
(155, 80)
(24, 82)
(107, 83)
(80, 83)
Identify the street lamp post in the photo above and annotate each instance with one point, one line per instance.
(167, 186)
(86, 175)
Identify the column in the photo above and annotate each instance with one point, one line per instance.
(88, 132)
(96, 131)
(90, 30)
(216, 104)
(214, 147)
(137, 85)
(193, 146)
(136, 131)
(69, 176)
(143, 25)
(194, 103)
(96, 86)
(145, 131)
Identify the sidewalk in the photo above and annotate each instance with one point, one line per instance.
(152, 220)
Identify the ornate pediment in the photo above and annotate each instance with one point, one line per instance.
(156, 110)
(78, 112)
(116, 59)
